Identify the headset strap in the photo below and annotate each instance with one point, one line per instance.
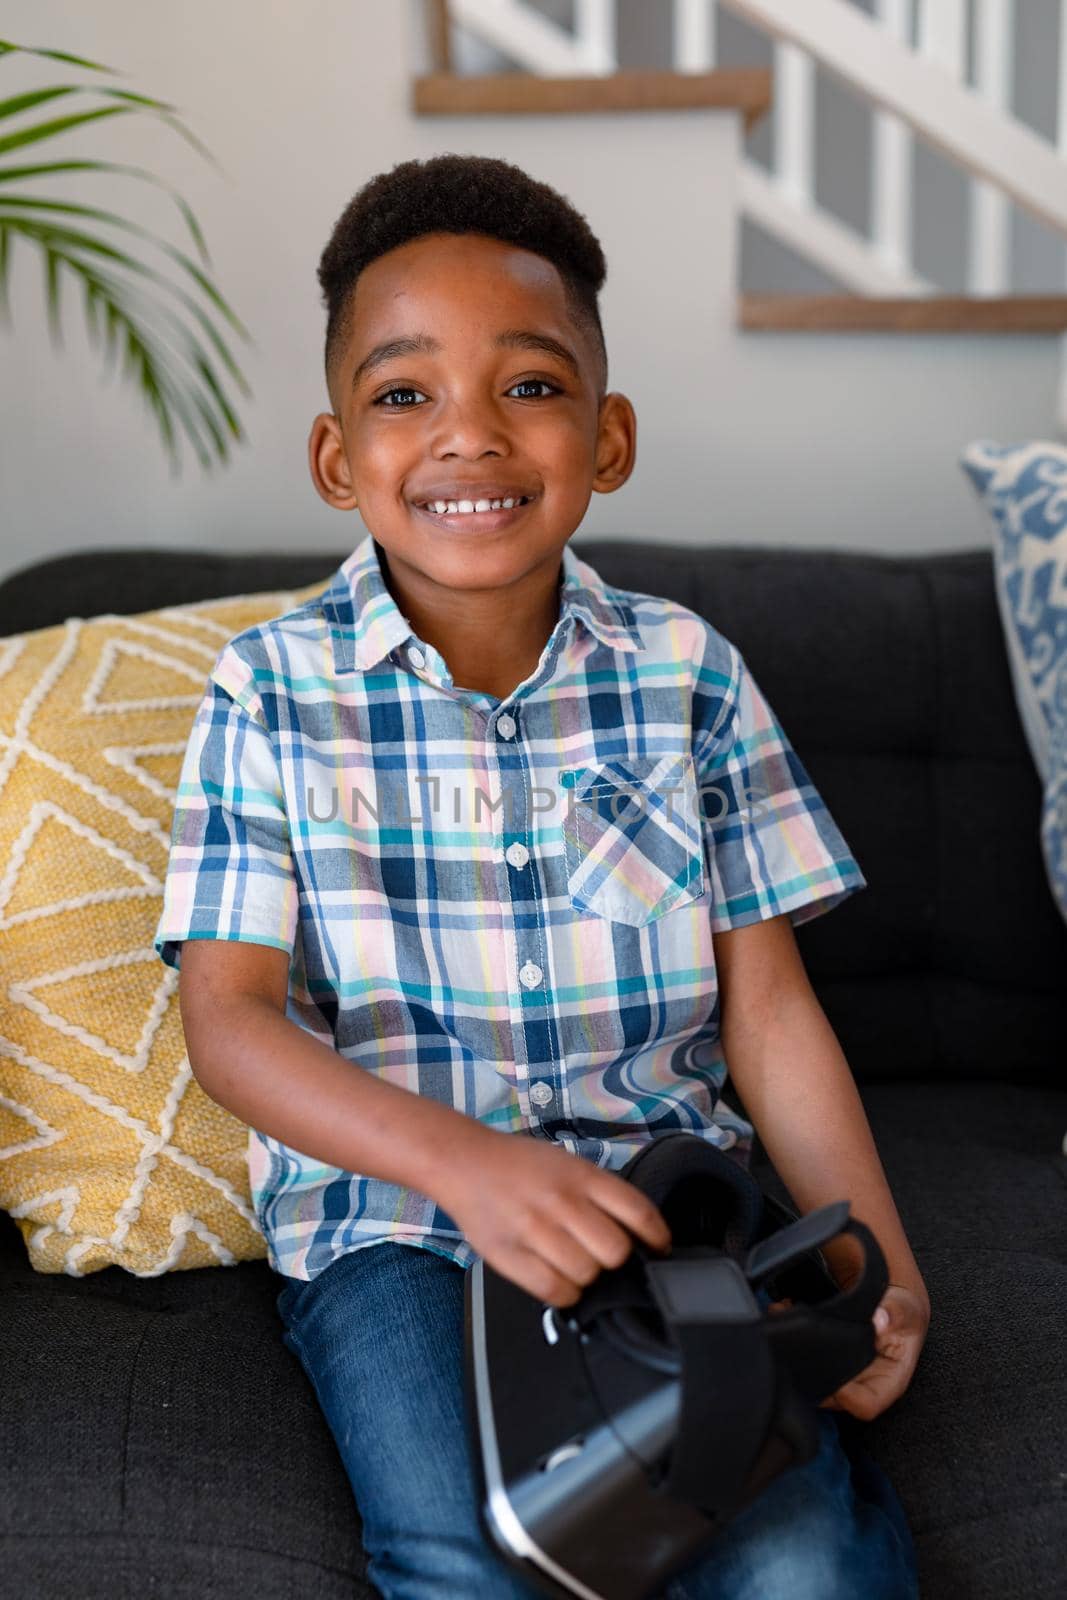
(823, 1346)
(728, 1387)
(732, 1353)
(795, 1240)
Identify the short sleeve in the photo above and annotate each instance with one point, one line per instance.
(230, 871)
(772, 846)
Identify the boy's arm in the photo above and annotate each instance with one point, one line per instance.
(799, 1092)
(546, 1221)
(247, 1055)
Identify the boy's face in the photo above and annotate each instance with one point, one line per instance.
(475, 418)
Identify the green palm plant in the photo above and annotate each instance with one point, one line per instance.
(173, 351)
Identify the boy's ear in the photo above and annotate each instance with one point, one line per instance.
(616, 445)
(328, 463)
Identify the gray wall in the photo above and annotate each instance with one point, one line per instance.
(819, 441)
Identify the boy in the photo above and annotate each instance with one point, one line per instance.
(467, 881)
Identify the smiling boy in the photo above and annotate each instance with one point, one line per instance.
(425, 1018)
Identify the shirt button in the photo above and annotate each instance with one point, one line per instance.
(416, 657)
(530, 974)
(517, 854)
(505, 726)
(541, 1094)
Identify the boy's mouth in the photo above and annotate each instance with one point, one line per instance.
(484, 515)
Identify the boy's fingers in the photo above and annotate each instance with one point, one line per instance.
(635, 1211)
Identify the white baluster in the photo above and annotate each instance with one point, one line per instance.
(941, 35)
(693, 35)
(523, 35)
(594, 32)
(794, 124)
(891, 171)
(989, 263)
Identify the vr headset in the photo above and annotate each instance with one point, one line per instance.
(615, 1438)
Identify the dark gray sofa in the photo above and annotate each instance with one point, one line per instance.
(157, 1438)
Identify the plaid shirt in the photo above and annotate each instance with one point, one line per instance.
(506, 905)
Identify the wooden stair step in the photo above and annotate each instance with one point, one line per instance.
(857, 313)
(744, 89)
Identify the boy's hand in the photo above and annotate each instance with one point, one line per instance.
(900, 1325)
(546, 1219)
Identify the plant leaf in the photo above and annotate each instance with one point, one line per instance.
(171, 398)
(204, 368)
(92, 321)
(35, 97)
(111, 332)
(74, 208)
(23, 102)
(187, 348)
(132, 101)
(88, 241)
(176, 400)
(172, 369)
(5, 262)
(190, 139)
(185, 401)
(51, 278)
(7, 48)
(45, 168)
(167, 314)
(46, 130)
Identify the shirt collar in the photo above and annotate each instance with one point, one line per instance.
(366, 622)
(603, 609)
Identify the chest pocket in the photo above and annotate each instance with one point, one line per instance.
(632, 837)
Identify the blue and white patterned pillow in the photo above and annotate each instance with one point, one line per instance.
(1024, 488)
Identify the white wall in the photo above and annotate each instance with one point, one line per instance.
(845, 440)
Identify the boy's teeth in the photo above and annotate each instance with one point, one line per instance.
(452, 507)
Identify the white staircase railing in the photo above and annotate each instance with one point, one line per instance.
(923, 88)
(916, 87)
(522, 33)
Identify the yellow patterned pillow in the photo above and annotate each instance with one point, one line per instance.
(110, 1152)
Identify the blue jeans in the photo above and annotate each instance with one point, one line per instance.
(379, 1333)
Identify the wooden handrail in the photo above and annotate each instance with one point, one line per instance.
(853, 313)
(744, 89)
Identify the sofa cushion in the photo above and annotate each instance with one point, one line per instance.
(110, 1152)
(1024, 489)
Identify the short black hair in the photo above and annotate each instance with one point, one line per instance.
(463, 194)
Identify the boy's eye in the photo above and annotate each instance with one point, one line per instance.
(383, 398)
(525, 382)
(405, 389)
